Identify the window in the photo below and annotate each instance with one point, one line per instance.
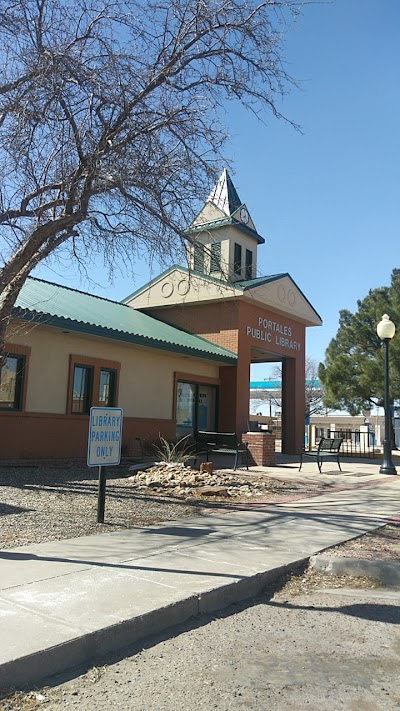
(215, 257)
(11, 382)
(92, 383)
(198, 259)
(107, 387)
(237, 259)
(82, 389)
(249, 264)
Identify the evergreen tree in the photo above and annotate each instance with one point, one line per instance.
(353, 371)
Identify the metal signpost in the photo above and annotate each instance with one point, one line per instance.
(104, 446)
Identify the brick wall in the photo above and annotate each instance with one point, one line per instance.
(217, 321)
(261, 448)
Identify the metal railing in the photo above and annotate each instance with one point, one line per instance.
(355, 443)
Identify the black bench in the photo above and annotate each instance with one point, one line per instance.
(253, 426)
(220, 443)
(328, 447)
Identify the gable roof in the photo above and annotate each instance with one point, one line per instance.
(247, 285)
(276, 291)
(185, 270)
(54, 305)
(240, 286)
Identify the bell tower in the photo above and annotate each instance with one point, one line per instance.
(224, 239)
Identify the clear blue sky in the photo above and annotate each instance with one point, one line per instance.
(327, 202)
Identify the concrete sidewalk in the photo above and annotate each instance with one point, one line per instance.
(71, 602)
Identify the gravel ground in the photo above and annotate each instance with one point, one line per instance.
(300, 646)
(44, 503)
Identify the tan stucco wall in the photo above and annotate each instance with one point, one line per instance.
(228, 235)
(180, 287)
(209, 213)
(283, 296)
(146, 376)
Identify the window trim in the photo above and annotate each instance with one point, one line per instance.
(96, 364)
(14, 350)
(88, 394)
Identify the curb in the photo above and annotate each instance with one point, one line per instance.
(387, 572)
(91, 648)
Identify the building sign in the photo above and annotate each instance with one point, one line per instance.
(105, 435)
(273, 333)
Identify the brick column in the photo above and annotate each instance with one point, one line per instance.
(261, 448)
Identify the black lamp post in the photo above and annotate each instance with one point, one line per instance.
(386, 330)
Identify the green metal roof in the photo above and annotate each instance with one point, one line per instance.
(259, 281)
(54, 305)
(213, 224)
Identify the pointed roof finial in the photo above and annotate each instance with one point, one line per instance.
(224, 194)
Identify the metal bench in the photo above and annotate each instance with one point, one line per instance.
(221, 443)
(327, 447)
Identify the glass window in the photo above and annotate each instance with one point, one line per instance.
(107, 387)
(249, 264)
(237, 259)
(82, 389)
(215, 257)
(198, 260)
(11, 375)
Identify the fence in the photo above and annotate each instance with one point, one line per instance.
(355, 443)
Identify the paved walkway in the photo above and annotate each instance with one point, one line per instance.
(70, 602)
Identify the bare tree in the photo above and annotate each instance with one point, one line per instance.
(109, 125)
(314, 390)
(265, 397)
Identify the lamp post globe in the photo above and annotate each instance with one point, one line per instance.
(386, 330)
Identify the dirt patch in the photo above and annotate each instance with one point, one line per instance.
(382, 544)
(311, 581)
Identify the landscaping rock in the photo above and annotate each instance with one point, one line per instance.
(184, 481)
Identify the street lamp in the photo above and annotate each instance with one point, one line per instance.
(385, 330)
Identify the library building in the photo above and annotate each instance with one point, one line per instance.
(175, 355)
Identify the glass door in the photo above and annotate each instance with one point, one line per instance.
(196, 408)
(185, 408)
(206, 408)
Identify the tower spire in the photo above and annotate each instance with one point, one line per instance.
(224, 194)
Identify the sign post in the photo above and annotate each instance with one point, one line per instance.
(104, 446)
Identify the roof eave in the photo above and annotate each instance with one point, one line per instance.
(93, 330)
(206, 226)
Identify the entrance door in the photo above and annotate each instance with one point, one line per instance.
(196, 408)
